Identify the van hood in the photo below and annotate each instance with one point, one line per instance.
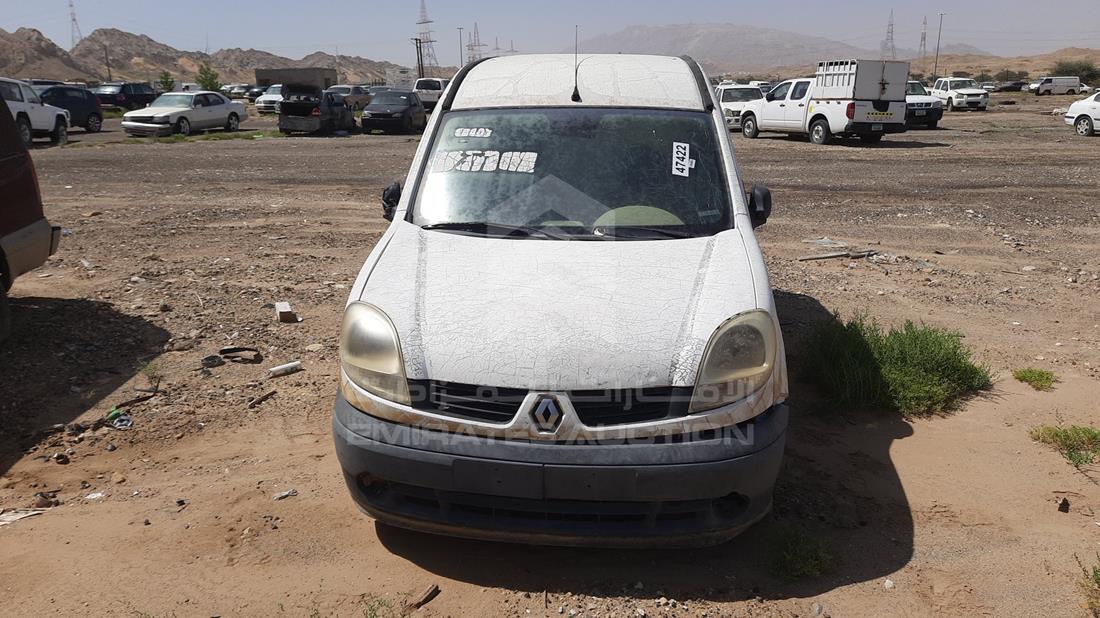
(558, 314)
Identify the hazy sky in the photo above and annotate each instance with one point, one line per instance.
(381, 29)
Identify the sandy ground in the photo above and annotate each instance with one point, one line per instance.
(988, 226)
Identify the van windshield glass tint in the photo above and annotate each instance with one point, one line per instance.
(577, 173)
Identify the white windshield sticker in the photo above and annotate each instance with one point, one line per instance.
(682, 163)
(484, 161)
(473, 132)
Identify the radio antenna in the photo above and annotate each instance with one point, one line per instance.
(576, 64)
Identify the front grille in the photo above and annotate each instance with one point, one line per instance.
(633, 405)
(469, 401)
(146, 119)
(554, 516)
(919, 105)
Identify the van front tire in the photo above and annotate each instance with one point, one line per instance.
(749, 128)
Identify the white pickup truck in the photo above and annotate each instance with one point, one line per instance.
(863, 98)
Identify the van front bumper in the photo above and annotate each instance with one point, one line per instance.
(654, 492)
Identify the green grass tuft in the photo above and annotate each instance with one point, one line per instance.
(915, 370)
(797, 555)
(1089, 583)
(1079, 445)
(1038, 379)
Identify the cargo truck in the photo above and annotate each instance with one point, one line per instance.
(845, 98)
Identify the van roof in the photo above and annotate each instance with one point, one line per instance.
(603, 80)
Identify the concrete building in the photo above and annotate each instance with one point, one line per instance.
(313, 76)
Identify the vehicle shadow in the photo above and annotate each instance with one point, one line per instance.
(63, 357)
(838, 489)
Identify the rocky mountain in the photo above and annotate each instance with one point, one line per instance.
(28, 53)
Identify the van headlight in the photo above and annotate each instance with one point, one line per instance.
(737, 362)
(370, 353)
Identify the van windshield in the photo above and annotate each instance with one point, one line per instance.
(575, 174)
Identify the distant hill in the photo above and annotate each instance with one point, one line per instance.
(723, 47)
(28, 53)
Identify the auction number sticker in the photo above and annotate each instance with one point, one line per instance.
(473, 132)
(682, 163)
(484, 161)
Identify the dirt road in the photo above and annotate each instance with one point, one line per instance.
(988, 226)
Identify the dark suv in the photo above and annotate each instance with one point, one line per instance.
(83, 106)
(125, 95)
(26, 237)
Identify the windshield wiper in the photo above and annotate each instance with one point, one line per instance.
(492, 229)
(638, 231)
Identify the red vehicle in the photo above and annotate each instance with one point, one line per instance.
(26, 237)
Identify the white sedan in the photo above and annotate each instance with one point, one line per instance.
(184, 112)
(1084, 115)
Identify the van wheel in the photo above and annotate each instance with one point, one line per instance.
(25, 132)
(94, 124)
(1071, 92)
(1084, 126)
(60, 133)
(820, 133)
(749, 128)
(5, 313)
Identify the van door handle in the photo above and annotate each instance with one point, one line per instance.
(802, 105)
(782, 105)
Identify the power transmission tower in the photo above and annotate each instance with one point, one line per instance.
(923, 43)
(76, 35)
(888, 50)
(475, 49)
(427, 47)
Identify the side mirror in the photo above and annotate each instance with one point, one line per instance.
(760, 205)
(391, 196)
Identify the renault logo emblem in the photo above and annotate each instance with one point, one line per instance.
(547, 414)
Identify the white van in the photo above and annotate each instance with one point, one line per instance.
(567, 334)
(1058, 85)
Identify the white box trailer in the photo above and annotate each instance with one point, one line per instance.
(863, 80)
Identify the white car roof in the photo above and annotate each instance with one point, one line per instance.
(603, 80)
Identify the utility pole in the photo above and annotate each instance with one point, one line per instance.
(936, 71)
(107, 57)
(419, 57)
(460, 45)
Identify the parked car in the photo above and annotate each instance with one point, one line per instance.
(26, 236)
(860, 98)
(1085, 89)
(268, 102)
(83, 106)
(921, 108)
(184, 112)
(33, 117)
(1058, 85)
(187, 87)
(491, 372)
(34, 81)
(395, 109)
(732, 99)
(765, 87)
(356, 97)
(960, 93)
(239, 91)
(125, 95)
(1084, 115)
(1012, 86)
(989, 86)
(308, 109)
(254, 93)
(429, 89)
